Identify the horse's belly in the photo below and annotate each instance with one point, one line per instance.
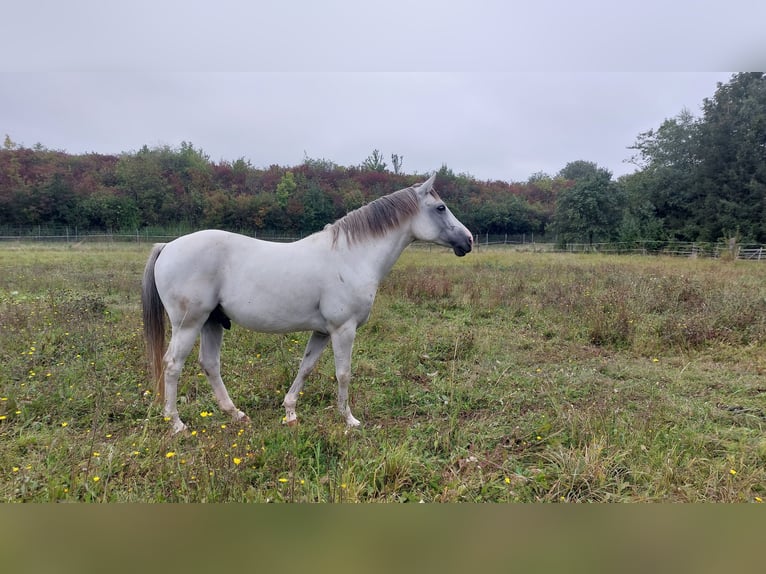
(276, 315)
(273, 323)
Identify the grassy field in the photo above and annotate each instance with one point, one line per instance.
(498, 377)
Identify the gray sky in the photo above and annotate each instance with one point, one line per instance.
(496, 89)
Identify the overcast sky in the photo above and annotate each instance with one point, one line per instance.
(495, 89)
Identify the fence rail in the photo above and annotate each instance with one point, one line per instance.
(671, 248)
(143, 236)
(523, 241)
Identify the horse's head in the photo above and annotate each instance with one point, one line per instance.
(435, 222)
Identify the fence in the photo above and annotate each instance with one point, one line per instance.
(675, 248)
(528, 242)
(672, 248)
(69, 235)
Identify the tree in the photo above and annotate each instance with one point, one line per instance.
(732, 159)
(107, 211)
(9, 144)
(318, 209)
(639, 219)
(139, 176)
(705, 177)
(286, 188)
(396, 161)
(374, 162)
(669, 158)
(581, 169)
(589, 210)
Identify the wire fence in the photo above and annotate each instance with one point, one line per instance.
(148, 235)
(522, 242)
(750, 252)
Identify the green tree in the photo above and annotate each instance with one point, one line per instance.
(396, 161)
(732, 158)
(374, 162)
(639, 220)
(286, 189)
(705, 177)
(140, 176)
(588, 210)
(669, 162)
(106, 211)
(9, 144)
(317, 209)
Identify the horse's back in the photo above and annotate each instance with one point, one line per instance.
(259, 284)
(191, 254)
(211, 249)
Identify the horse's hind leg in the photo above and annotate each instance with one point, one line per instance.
(210, 361)
(181, 343)
(314, 348)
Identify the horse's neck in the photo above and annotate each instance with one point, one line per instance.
(377, 255)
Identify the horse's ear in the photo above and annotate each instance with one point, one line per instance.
(427, 185)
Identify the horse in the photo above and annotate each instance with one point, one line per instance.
(324, 283)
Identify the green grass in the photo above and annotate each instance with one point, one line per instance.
(499, 377)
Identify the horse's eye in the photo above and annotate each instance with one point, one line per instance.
(441, 207)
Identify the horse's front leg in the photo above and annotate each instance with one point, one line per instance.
(315, 346)
(342, 345)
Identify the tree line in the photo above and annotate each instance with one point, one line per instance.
(697, 179)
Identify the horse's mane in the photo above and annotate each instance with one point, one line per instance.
(377, 217)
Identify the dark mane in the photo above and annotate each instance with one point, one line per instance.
(377, 217)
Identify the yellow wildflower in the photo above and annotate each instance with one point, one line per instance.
(170, 454)
(237, 460)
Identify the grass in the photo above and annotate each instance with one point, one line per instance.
(499, 377)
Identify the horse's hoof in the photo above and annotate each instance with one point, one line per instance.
(292, 423)
(239, 417)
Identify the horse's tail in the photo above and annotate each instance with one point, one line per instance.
(154, 323)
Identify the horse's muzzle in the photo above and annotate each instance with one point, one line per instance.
(463, 247)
